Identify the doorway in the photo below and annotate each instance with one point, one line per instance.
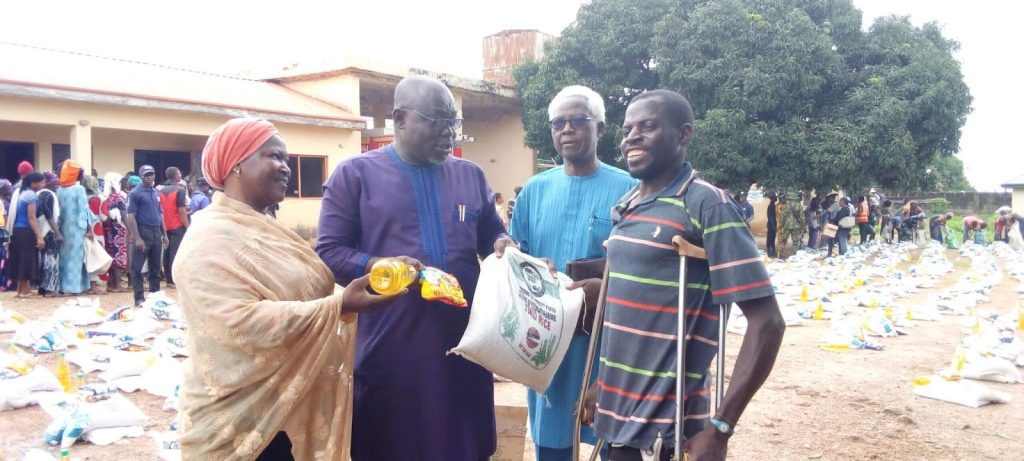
(160, 160)
(11, 154)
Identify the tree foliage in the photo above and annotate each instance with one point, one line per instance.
(946, 174)
(786, 93)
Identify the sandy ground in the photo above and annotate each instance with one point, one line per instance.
(816, 405)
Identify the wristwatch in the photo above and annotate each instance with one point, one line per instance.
(721, 426)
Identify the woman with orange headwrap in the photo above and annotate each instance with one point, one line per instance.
(271, 339)
(76, 223)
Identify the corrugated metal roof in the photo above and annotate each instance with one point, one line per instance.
(41, 72)
(317, 69)
(1015, 182)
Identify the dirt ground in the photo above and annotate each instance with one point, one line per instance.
(816, 404)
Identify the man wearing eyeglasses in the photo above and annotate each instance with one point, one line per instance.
(564, 214)
(414, 199)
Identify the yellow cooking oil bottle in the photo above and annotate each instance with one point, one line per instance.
(63, 373)
(389, 276)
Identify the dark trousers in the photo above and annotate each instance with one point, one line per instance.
(867, 232)
(173, 242)
(153, 238)
(842, 239)
(769, 243)
(280, 449)
(812, 238)
(633, 454)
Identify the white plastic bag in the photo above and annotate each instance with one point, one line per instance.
(41, 336)
(10, 320)
(161, 307)
(167, 446)
(992, 369)
(163, 378)
(522, 319)
(25, 390)
(967, 393)
(171, 343)
(109, 435)
(124, 364)
(115, 411)
(80, 311)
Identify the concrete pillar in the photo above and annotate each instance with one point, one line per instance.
(81, 145)
(44, 156)
(381, 112)
(458, 105)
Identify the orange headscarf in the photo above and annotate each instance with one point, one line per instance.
(69, 173)
(233, 142)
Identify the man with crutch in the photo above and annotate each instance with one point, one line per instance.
(636, 386)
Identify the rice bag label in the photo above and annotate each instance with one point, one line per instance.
(531, 323)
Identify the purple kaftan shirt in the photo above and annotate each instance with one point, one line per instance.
(412, 401)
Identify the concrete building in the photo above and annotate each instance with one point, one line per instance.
(116, 115)
(1017, 186)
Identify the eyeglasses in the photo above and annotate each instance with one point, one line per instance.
(452, 123)
(576, 122)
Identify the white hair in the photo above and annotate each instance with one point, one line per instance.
(595, 104)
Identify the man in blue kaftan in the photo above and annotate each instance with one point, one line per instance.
(413, 199)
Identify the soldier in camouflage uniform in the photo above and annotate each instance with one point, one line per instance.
(791, 223)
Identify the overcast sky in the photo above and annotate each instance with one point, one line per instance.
(446, 35)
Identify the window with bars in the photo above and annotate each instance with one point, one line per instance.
(308, 175)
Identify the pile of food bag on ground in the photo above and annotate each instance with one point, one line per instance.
(103, 357)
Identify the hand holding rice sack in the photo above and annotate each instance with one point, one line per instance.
(270, 337)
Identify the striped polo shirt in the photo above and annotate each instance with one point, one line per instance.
(636, 382)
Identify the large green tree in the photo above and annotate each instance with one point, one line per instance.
(786, 93)
(946, 174)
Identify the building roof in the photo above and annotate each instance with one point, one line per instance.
(1017, 182)
(325, 68)
(54, 74)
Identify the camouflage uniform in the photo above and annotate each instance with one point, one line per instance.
(791, 225)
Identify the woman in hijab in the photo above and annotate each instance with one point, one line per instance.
(49, 217)
(76, 223)
(26, 239)
(271, 339)
(116, 234)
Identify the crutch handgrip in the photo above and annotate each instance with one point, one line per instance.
(687, 249)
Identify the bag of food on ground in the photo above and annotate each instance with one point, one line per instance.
(967, 393)
(41, 336)
(10, 320)
(171, 343)
(522, 319)
(25, 390)
(15, 362)
(81, 312)
(993, 369)
(124, 364)
(167, 446)
(161, 307)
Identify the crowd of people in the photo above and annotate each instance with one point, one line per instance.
(828, 222)
(52, 219)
